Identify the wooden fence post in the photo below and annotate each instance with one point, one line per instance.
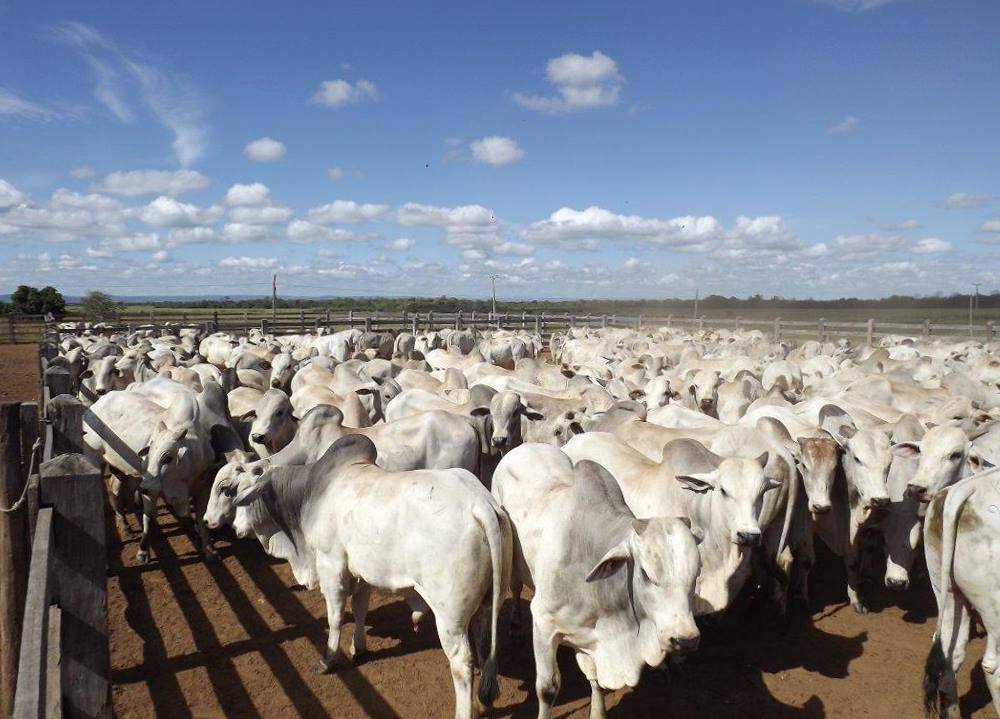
(350, 319)
(368, 324)
(821, 329)
(263, 326)
(458, 320)
(670, 320)
(13, 336)
(430, 321)
(990, 331)
(604, 320)
(739, 324)
(302, 322)
(14, 549)
(328, 318)
(870, 332)
(927, 329)
(638, 322)
(413, 329)
(701, 323)
(66, 414)
(56, 378)
(524, 320)
(539, 322)
(777, 329)
(73, 486)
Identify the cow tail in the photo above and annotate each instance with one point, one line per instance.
(790, 501)
(493, 523)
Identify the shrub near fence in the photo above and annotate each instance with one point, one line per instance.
(54, 653)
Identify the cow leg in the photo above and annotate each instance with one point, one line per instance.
(990, 656)
(851, 561)
(359, 608)
(547, 677)
(589, 669)
(148, 522)
(335, 584)
(455, 643)
(200, 505)
(515, 607)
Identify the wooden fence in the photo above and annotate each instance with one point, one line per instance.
(54, 653)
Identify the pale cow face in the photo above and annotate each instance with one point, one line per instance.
(704, 390)
(942, 453)
(230, 480)
(273, 424)
(818, 464)
(737, 489)
(165, 471)
(866, 459)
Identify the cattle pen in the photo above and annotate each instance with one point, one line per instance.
(235, 639)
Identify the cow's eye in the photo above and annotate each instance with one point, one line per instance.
(955, 456)
(558, 431)
(167, 460)
(857, 458)
(229, 490)
(723, 492)
(278, 413)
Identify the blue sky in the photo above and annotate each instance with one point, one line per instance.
(797, 147)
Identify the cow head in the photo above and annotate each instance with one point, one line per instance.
(818, 459)
(231, 479)
(865, 460)
(102, 375)
(703, 390)
(166, 471)
(273, 422)
(379, 393)
(658, 561)
(737, 487)
(282, 371)
(943, 454)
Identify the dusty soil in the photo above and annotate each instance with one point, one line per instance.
(18, 372)
(238, 638)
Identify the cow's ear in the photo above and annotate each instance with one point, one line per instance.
(86, 374)
(532, 415)
(700, 483)
(480, 411)
(762, 459)
(907, 450)
(144, 452)
(366, 390)
(692, 389)
(616, 558)
(251, 493)
(247, 415)
(977, 462)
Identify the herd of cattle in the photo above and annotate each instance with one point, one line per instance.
(634, 480)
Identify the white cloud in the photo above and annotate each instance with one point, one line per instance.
(169, 97)
(253, 194)
(303, 231)
(903, 226)
(632, 263)
(167, 212)
(241, 232)
(402, 244)
(338, 93)
(931, 245)
(513, 248)
(192, 235)
(581, 83)
(463, 217)
(496, 150)
(846, 126)
(10, 195)
(965, 201)
(265, 149)
(346, 211)
(988, 226)
(13, 105)
(866, 246)
(152, 182)
(268, 215)
(83, 172)
(855, 5)
(160, 256)
(339, 173)
(249, 263)
(583, 229)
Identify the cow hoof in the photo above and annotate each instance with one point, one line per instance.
(325, 667)
(859, 608)
(359, 657)
(142, 557)
(211, 557)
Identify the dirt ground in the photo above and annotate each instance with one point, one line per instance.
(239, 639)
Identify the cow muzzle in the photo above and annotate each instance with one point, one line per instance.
(817, 508)
(258, 438)
(898, 584)
(748, 538)
(917, 492)
(684, 645)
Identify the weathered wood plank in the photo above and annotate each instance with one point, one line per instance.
(14, 551)
(53, 666)
(66, 414)
(29, 700)
(75, 489)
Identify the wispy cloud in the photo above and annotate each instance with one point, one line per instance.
(855, 5)
(582, 82)
(966, 201)
(173, 101)
(13, 105)
(846, 126)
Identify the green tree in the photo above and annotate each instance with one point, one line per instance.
(27, 300)
(97, 306)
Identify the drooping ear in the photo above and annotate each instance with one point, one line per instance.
(977, 462)
(762, 459)
(771, 483)
(179, 434)
(616, 558)
(692, 389)
(248, 495)
(700, 483)
(247, 415)
(86, 374)
(532, 415)
(161, 427)
(907, 450)
(366, 390)
(144, 452)
(480, 411)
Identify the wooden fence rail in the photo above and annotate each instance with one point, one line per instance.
(55, 660)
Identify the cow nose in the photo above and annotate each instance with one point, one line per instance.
(684, 645)
(879, 502)
(897, 583)
(258, 438)
(101, 392)
(748, 539)
(499, 440)
(817, 508)
(917, 492)
(276, 384)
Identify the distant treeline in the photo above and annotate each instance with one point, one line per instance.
(596, 306)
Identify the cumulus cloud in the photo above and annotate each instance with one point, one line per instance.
(846, 126)
(339, 173)
(988, 226)
(346, 212)
(305, 231)
(63, 199)
(136, 183)
(338, 93)
(192, 235)
(235, 232)
(581, 82)
(167, 212)
(265, 149)
(249, 263)
(463, 216)
(584, 229)
(866, 245)
(402, 244)
(256, 193)
(931, 245)
(10, 195)
(496, 150)
(266, 215)
(965, 201)
(855, 5)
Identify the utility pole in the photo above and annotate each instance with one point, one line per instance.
(493, 279)
(696, 304)
(976, 285)
(274, 296)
